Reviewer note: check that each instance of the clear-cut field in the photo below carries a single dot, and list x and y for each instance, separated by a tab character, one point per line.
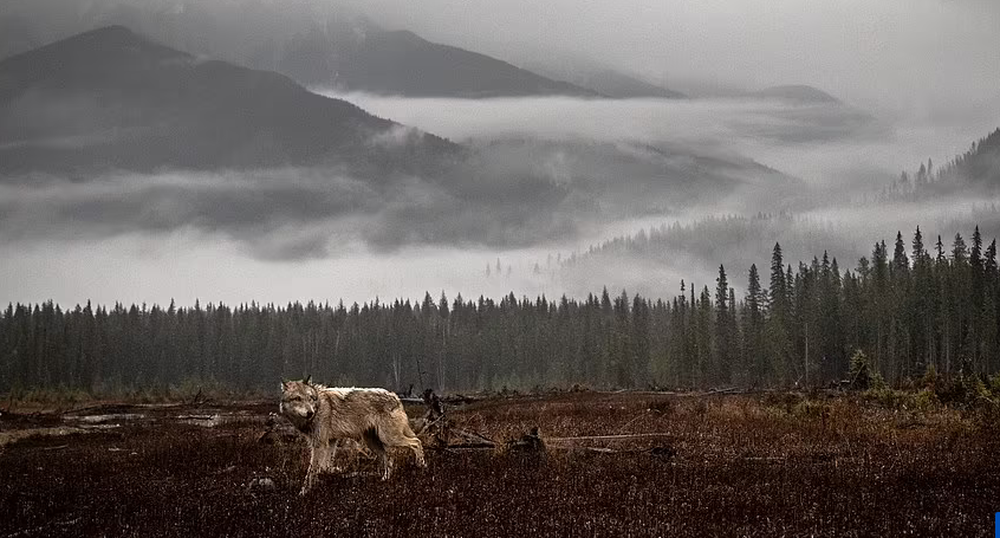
743	465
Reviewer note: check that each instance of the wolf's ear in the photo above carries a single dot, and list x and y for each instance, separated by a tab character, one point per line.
284	384
308	379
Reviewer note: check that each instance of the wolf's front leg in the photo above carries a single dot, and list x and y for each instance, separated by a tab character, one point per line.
331	464
319	457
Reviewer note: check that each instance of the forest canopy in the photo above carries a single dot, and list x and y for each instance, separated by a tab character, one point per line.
908	307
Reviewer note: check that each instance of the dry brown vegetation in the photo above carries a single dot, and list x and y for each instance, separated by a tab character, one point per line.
720	465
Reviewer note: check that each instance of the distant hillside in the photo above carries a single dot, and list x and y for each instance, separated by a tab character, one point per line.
590	74
110	98
977	170
805	114
314	43
17	36
978	166
797	93
635	179
403	63
621	86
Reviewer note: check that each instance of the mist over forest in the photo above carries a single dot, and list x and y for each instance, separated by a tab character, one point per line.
174	151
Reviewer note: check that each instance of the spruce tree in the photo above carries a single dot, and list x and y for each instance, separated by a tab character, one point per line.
723	334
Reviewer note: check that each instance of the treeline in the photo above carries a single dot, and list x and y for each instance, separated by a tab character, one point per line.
742	238
909	309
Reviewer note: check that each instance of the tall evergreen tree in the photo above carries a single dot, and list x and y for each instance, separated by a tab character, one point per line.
723	330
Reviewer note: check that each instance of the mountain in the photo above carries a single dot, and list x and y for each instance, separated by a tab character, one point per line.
320	44
403	63
980	166
621	86
977	171
797	93
112	99
628	179
804	114
652	261
16	35
588	73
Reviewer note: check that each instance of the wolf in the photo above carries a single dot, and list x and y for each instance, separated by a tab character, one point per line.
323	414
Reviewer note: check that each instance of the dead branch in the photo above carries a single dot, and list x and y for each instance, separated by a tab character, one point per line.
475	437
619	437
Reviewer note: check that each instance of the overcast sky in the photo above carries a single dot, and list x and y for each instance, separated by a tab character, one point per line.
909	54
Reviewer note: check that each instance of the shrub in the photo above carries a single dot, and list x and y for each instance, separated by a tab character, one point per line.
862	373
926	400
995	385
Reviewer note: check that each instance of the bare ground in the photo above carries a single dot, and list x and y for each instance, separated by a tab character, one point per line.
758	465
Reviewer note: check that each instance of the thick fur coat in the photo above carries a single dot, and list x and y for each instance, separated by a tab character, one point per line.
373	416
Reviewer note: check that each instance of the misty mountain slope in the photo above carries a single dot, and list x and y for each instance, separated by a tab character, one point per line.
630	178
651	261
315	44
654	261
796	92
403	63
602	79
111	99
979	167
973	173
804	114
16	35
619	85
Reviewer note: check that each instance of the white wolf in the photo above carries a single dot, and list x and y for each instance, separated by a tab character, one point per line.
374	416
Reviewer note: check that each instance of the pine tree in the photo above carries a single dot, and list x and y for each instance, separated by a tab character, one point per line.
900	264
723	335
753	332
778	292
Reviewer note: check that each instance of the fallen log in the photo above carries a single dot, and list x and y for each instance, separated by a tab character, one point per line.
474	436
618	437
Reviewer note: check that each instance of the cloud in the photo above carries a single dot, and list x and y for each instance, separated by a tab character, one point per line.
285	214
272	212
821	144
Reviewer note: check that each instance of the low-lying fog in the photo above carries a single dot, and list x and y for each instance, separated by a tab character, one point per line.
279	236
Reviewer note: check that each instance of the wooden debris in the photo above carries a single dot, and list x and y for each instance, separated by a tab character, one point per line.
433	403
530	442
618	437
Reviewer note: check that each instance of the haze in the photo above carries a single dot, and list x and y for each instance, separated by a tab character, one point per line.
917	79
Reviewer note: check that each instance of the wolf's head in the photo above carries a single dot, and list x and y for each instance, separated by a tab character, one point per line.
299	402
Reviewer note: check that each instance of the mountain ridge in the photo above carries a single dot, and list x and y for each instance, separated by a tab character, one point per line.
156	106
431	69
801	93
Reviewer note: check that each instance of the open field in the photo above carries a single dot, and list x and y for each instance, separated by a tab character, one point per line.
719	465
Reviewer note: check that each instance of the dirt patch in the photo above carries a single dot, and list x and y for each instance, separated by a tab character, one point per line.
712	466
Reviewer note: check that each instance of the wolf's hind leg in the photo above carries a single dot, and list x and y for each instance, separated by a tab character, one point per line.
378	447
404	437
